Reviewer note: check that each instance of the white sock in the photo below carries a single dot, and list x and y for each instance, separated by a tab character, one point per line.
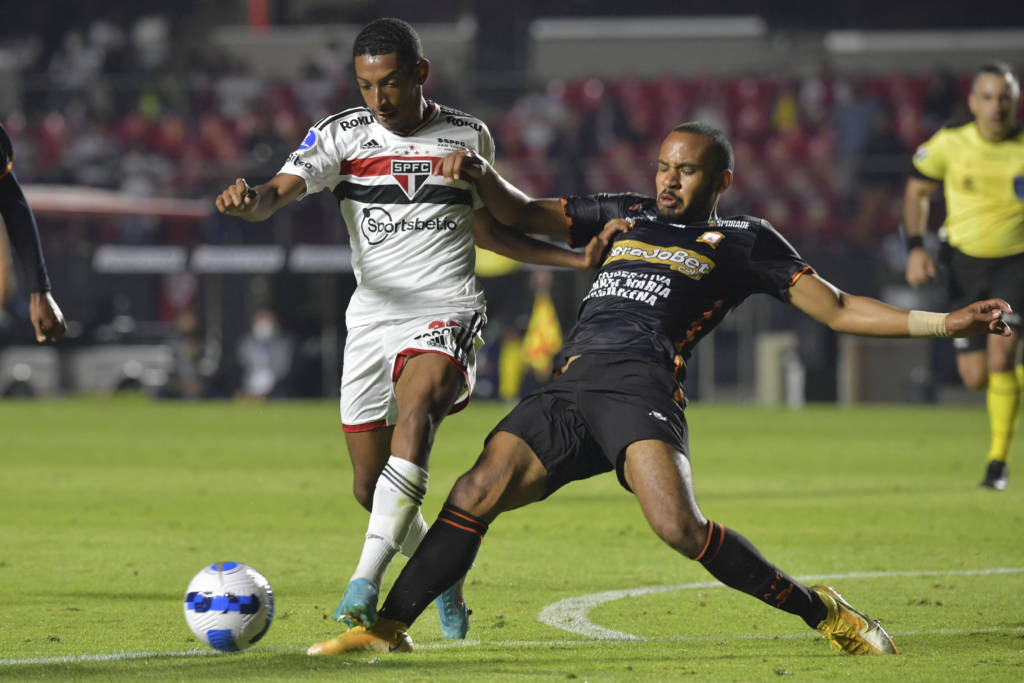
396	505
417	530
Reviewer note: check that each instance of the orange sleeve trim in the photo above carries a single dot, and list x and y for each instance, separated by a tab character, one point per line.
565	211
799	274
10	165
568	220
460	526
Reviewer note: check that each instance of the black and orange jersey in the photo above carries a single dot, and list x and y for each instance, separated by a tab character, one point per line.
21	224
664	286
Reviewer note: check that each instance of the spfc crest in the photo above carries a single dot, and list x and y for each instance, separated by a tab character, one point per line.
411	174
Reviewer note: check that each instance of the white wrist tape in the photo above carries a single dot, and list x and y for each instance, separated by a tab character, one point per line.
925	324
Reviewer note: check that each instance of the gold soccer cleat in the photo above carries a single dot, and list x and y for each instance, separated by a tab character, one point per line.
849	630
384	636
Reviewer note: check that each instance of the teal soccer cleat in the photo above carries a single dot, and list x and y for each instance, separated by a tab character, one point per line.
453	612
358	606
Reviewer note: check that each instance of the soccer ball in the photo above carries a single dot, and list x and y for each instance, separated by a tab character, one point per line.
229	606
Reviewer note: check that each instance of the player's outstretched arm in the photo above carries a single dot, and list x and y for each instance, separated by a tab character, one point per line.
869	317
259	203
920	268
491	235
506	202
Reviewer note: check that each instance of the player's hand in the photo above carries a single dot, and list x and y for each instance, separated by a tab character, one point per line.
239	199
979	318
462	164
920	268
46	317
597	247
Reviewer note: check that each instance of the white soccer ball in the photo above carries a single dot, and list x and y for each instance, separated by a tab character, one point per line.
229	606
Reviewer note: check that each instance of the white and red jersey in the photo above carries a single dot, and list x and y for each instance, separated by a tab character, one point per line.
411	233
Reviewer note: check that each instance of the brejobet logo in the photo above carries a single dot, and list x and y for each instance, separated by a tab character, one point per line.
411	174
309	141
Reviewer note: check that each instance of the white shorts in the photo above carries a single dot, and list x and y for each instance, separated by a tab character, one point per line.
376	353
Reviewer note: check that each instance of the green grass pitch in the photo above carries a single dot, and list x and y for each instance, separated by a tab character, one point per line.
109	506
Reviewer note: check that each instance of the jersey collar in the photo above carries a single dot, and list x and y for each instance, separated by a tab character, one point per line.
429	114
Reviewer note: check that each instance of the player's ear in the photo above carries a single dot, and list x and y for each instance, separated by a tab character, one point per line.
724	181
422	71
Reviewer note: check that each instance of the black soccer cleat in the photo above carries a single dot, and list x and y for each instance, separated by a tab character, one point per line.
997	476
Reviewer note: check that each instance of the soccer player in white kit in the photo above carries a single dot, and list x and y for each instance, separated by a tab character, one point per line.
415	318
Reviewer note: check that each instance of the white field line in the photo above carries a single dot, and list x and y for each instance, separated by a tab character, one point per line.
502	644
571	615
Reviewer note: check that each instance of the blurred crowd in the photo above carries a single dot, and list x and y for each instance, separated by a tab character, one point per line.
822	156
819	154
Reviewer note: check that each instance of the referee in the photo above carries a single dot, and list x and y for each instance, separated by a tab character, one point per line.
981	166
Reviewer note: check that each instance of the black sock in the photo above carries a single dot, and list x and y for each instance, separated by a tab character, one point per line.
734	561
443	557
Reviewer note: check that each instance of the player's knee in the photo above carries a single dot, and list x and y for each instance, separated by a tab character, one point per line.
685	535
363	491
471	494
975	380
973	369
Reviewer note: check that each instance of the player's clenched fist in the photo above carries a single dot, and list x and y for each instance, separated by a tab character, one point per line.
238	199
462	164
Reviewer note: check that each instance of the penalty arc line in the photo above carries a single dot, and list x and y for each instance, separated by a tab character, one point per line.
571	614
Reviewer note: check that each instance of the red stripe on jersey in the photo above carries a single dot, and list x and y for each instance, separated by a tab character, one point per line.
379	165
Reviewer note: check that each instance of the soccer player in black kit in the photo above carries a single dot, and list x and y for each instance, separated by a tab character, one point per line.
46	316
673	272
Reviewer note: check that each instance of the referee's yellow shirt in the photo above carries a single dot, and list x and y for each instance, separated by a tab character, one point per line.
984	188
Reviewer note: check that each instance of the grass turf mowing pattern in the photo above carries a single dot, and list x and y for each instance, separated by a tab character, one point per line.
109	506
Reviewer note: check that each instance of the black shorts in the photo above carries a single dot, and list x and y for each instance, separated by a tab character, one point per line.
972	279
580	423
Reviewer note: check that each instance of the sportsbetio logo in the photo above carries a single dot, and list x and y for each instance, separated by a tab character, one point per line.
377	224
296	160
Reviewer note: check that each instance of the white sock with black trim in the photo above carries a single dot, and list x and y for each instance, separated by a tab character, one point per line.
417	530
396	506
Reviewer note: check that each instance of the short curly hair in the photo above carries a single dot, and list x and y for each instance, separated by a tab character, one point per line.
386	35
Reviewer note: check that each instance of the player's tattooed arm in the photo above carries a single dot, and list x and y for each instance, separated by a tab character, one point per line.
260	202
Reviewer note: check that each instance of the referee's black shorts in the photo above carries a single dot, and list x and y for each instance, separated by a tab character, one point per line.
580	423
972	279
